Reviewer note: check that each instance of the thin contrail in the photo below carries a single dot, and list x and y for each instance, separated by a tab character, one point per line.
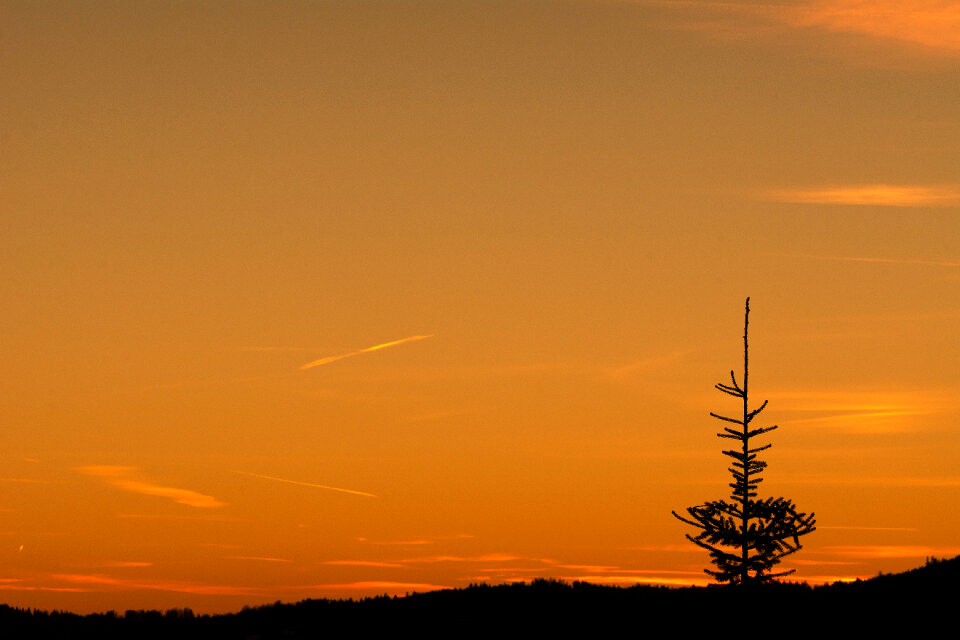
305	484
329	359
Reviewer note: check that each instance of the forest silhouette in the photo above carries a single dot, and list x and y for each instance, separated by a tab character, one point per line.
914	601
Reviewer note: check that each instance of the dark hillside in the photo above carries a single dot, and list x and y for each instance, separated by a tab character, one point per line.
912	601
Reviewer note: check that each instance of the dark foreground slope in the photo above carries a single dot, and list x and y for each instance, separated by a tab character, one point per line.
910	602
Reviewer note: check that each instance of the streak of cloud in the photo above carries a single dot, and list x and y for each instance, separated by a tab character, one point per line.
329	359
861	411
119	476
692	580
379	586
257	558
281	349
882	195
645	365
592	568
181	496
417	541
306	484
919	482
510	570
926	263
24	587
400	543
104	582
932	24
363	563
177	516
861	400
861	422
669	548
489	557
825	579
892	551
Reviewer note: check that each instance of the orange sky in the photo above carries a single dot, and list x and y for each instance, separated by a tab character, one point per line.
330	298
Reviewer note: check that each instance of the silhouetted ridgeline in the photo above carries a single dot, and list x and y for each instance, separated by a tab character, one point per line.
923	598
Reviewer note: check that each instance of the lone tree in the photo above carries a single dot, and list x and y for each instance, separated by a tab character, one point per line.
756	533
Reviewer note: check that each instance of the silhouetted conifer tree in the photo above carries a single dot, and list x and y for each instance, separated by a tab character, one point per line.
757	534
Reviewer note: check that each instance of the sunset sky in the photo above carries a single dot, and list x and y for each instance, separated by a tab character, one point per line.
332	299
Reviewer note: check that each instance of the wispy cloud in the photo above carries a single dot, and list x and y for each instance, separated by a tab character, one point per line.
916	481
932	24
591	568
363	563
95	582
884	195
933	482
120	477
379	586
329	359
924	263
281	349
257	558
891	551
400	543
27	587
858	400
306	484
488	557
649	364
860	411
102	582
693	578
669	548
824	579
177	516
888	421
417	541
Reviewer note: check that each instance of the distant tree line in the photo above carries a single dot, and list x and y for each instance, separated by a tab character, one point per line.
914	601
